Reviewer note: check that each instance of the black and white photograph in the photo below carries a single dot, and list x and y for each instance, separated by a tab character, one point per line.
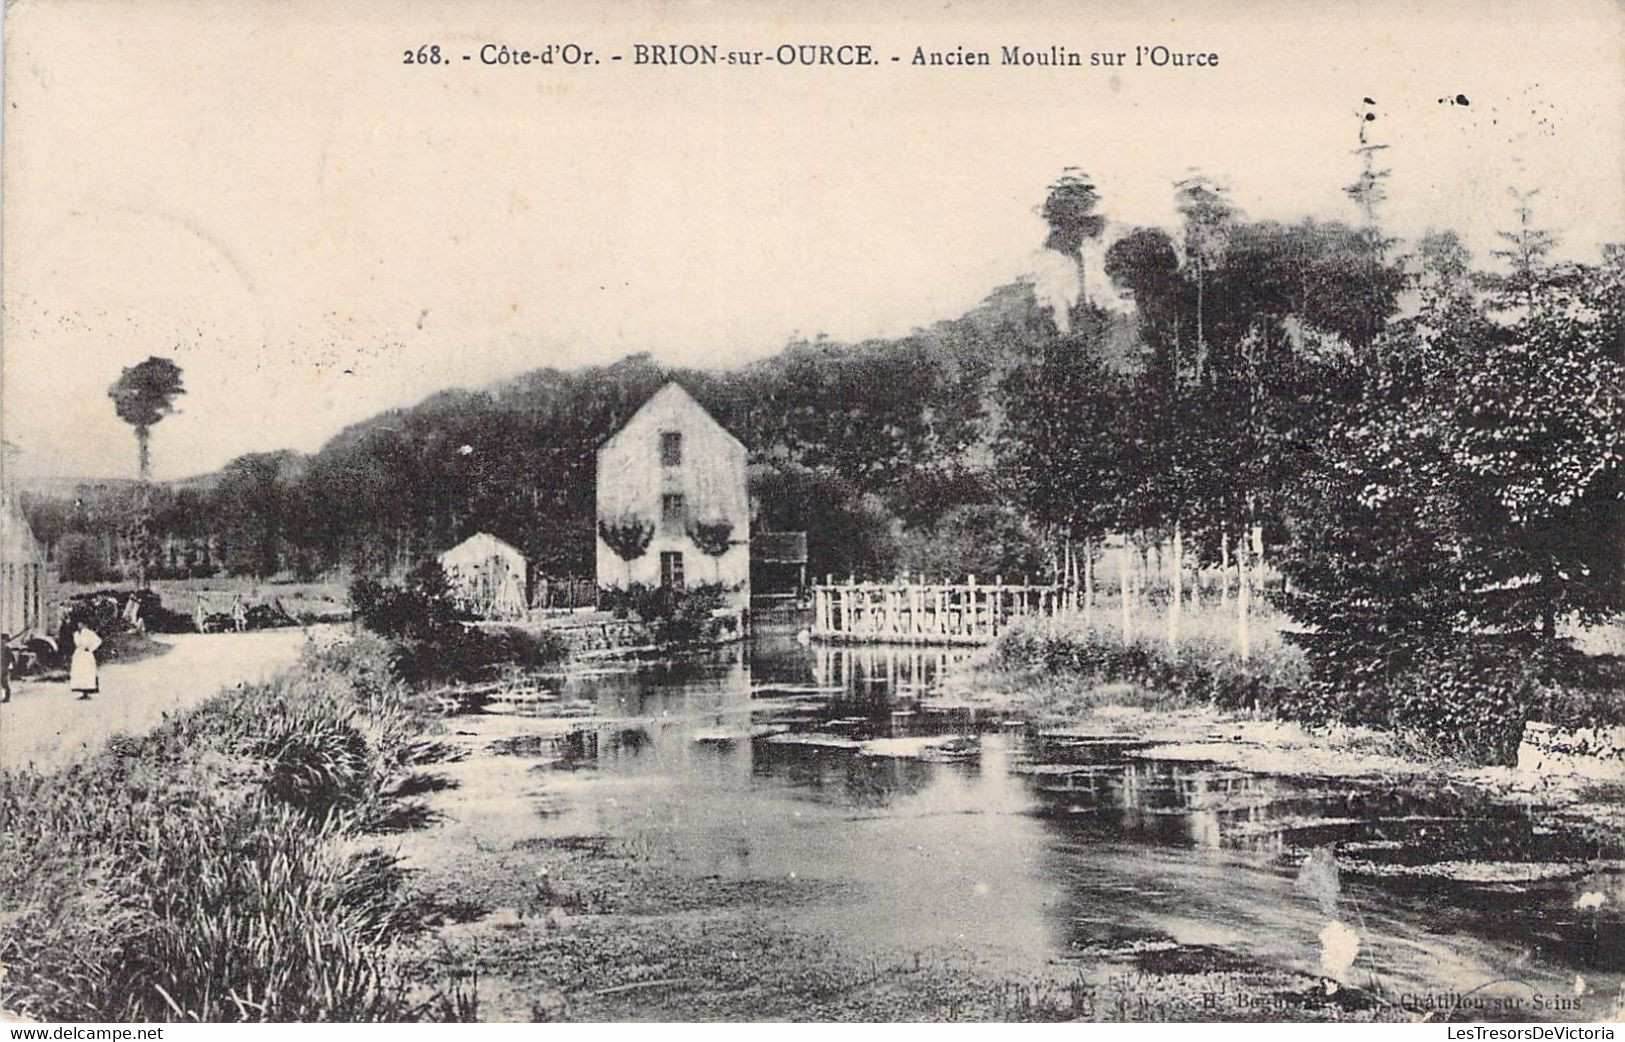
810	511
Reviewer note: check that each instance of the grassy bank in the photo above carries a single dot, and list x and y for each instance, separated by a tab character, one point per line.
220	866
1459	698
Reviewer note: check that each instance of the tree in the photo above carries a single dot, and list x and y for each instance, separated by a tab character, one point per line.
713	538
1062	451
1538	438
849	532
1367	191
1475	486
143	395
1069	211
1526	254
629	536
1205	206
251	506
984	539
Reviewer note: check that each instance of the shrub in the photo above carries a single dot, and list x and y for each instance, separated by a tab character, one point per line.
422	608
675	614
1470	695
466	652
430	641
1199	671
1464	696
80	559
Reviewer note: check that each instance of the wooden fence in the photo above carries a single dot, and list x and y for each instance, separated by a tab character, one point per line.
920	613
563	594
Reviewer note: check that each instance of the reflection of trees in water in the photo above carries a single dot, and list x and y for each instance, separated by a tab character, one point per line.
839	776
1169	803
602	746
1119	833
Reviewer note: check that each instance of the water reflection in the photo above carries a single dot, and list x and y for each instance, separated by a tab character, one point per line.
937	824
894	674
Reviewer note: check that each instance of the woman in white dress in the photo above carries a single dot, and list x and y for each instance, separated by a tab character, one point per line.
82	672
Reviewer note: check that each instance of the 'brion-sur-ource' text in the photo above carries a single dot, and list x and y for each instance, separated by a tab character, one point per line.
856	55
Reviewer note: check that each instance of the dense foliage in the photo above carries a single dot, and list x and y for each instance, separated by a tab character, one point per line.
429	639
673	614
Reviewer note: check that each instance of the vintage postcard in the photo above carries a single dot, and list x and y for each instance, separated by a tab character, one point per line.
813	511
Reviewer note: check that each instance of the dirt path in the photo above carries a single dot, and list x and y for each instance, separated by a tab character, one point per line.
47	725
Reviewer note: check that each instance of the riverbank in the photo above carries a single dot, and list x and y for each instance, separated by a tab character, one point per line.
225	865
1457	700
773	831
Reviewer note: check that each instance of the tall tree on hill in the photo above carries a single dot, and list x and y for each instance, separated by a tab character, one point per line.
1069	211
143	395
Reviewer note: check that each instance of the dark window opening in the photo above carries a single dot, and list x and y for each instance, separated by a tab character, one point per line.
671	569
671	448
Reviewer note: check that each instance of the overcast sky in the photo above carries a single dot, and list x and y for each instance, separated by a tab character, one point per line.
315	231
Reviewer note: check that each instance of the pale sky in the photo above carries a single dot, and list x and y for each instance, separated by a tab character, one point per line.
316	232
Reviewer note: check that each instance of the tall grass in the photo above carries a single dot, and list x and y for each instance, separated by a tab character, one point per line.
1459	696
208	870
1204	668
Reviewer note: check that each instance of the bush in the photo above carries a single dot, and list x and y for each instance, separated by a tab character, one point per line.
1469	695
1463	696
432	642
422	608
468	652
80	559
104	612
675	614
1199	671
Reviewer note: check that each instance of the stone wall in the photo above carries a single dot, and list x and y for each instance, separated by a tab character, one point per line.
601	633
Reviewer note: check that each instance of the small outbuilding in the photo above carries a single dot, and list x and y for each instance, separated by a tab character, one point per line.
489	578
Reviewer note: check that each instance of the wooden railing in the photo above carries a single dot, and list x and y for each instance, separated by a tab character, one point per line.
921	613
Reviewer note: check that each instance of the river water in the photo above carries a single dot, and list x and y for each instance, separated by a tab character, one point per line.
937	826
